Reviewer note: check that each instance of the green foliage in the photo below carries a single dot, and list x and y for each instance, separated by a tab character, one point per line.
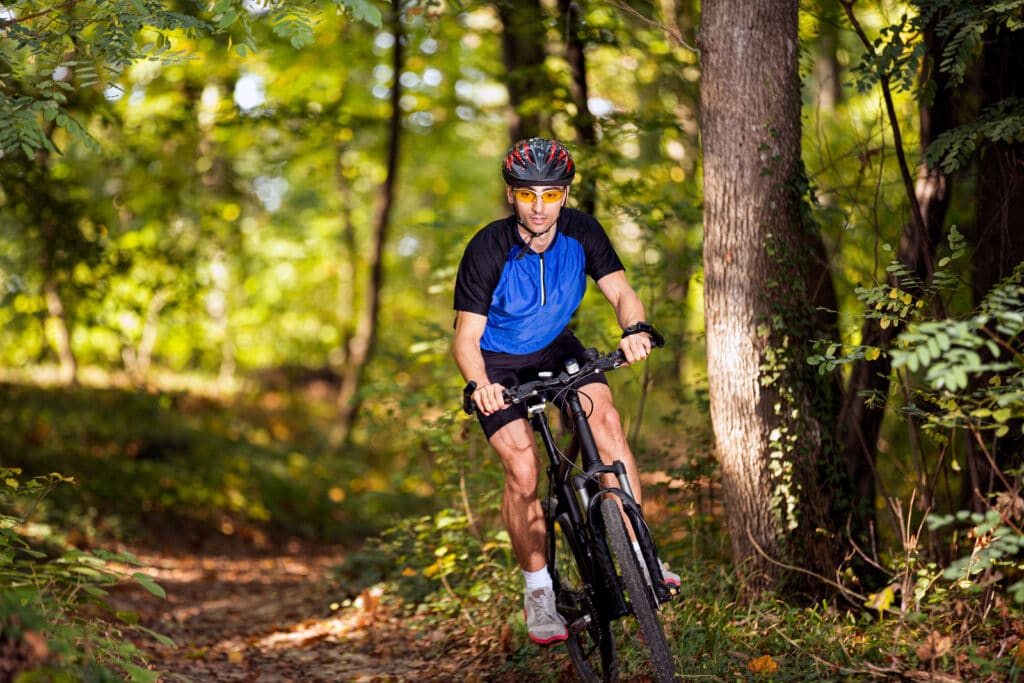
996	549
55	621
956	356
50	51
999	122
896	58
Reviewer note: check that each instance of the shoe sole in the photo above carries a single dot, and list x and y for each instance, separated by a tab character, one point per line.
550	641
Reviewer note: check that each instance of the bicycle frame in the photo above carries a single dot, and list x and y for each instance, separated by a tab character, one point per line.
578	494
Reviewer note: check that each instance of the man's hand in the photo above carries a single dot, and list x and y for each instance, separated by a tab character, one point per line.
635	347
488	398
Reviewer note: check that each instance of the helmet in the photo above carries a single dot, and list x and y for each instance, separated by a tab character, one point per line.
538	161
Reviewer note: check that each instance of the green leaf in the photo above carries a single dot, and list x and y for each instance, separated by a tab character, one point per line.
140	675
364	11
159	637
147	582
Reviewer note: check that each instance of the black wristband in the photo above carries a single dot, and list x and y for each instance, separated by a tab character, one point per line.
644	326
636	328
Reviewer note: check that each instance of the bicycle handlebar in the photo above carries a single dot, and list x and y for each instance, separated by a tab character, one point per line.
594	362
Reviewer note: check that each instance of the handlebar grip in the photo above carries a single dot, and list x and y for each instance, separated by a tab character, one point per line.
468	404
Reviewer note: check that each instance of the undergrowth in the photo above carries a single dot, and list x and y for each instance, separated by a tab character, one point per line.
56	625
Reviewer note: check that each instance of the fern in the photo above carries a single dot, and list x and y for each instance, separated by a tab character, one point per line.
951	353
1001	122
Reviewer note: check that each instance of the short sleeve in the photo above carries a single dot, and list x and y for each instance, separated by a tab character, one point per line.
479	272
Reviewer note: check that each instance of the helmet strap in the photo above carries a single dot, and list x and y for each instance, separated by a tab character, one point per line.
533	235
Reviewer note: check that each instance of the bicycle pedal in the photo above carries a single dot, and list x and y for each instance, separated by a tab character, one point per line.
581	624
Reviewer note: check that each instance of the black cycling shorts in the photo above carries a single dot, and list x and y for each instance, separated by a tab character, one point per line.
510	369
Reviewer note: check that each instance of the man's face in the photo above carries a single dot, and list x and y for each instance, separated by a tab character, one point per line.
538	207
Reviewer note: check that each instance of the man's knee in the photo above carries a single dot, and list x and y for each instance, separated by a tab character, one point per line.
604	416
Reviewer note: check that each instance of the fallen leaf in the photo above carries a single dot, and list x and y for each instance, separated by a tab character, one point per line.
763	665
934	646
37	643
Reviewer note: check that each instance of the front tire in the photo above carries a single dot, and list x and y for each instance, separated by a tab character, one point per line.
642	601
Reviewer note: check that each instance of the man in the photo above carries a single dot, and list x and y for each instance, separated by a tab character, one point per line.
519	282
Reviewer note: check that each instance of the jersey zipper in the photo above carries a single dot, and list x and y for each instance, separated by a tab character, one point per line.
543	287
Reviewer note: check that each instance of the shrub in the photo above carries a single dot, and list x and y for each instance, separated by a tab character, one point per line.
56	624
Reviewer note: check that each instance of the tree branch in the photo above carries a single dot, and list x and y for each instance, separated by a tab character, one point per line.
651	22
916	216
4	25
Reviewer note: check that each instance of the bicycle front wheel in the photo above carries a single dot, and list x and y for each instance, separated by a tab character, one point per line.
641	599
590	644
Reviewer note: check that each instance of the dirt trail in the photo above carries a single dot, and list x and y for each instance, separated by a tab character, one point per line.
255	616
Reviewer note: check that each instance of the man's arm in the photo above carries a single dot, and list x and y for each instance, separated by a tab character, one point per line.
469	328
629	310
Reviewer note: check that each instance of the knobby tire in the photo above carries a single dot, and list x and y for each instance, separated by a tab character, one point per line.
644	604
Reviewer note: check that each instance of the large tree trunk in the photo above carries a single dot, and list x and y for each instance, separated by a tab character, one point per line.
771	427
998	237
523	49
361	345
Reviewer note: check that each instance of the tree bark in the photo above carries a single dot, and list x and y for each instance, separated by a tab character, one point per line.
997	236
586	135
523	49
361	345
771	425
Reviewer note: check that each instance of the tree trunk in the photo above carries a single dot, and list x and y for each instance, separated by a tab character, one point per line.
772	419
61	332
586	135
997	237
361	345
523	49
48	218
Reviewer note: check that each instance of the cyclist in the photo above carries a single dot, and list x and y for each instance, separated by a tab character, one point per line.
519	283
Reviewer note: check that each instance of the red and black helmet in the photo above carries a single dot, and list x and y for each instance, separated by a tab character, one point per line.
538	161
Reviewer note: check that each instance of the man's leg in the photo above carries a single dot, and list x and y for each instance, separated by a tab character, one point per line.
524	520
520	508
612	445
608	434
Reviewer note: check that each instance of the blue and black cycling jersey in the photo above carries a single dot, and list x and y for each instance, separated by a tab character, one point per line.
529	299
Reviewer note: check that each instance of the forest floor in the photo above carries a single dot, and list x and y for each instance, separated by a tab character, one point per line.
242	614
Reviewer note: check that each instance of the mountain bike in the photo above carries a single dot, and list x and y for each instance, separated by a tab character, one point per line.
592	518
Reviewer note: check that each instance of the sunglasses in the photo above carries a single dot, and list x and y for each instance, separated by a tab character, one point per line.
547	196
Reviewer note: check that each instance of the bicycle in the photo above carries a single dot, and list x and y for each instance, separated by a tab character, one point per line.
598	577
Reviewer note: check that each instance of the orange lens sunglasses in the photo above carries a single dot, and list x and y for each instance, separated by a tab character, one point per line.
547	196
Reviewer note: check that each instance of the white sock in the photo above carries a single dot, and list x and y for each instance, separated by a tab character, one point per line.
538	579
